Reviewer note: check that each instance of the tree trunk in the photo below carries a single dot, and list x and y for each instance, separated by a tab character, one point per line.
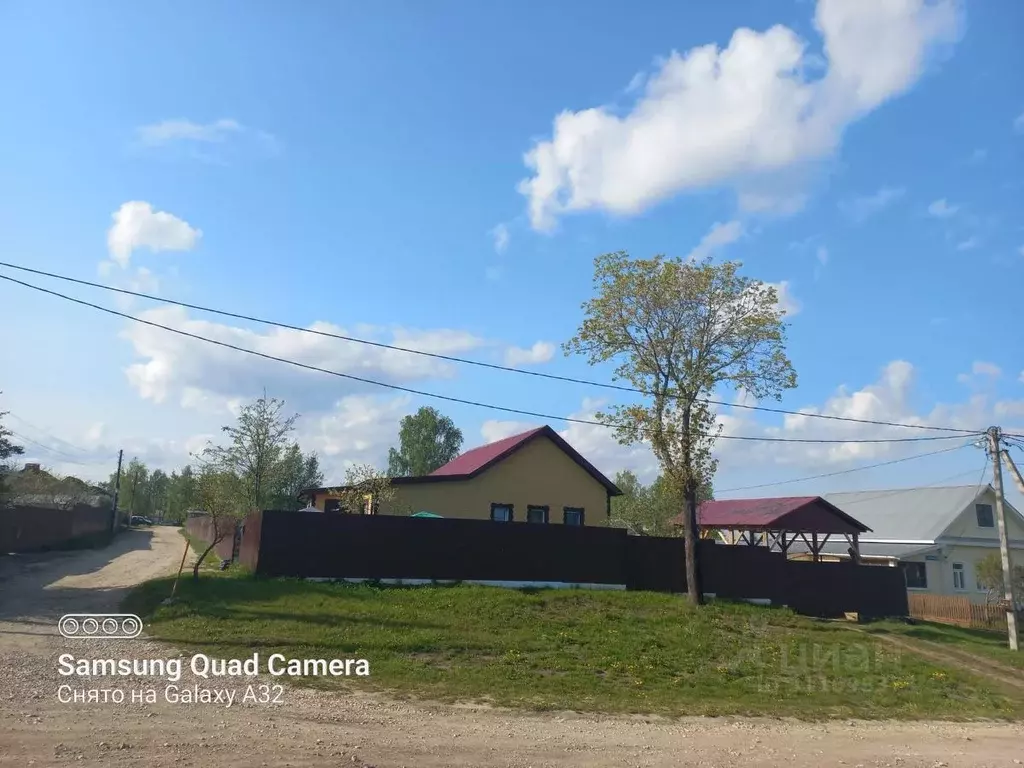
693	585
199	562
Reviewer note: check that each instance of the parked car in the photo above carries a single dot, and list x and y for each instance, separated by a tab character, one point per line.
139	520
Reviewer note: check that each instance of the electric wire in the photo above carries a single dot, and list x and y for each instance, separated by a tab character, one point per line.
455	359
434	395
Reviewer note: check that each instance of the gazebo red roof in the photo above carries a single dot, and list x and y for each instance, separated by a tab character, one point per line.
799	514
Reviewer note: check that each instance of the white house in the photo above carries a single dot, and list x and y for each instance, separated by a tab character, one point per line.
937	535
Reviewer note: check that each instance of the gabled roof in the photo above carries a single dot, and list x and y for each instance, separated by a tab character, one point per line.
908	514
477	460
790	513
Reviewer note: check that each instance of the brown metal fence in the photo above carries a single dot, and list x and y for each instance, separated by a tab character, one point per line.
200	528
31	529
952	609
314	545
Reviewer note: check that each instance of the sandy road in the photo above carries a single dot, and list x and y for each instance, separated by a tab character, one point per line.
314	729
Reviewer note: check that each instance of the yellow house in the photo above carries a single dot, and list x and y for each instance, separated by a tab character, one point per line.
534	477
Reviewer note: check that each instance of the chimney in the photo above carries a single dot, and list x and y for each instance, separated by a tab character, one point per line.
32	467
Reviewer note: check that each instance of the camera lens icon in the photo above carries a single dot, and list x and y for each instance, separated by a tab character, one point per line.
111	626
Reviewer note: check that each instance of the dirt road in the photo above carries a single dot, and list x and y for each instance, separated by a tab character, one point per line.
315	729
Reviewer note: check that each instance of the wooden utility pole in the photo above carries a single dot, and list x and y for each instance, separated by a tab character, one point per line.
117	487
1004	544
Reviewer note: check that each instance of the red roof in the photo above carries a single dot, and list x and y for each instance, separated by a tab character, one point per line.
791	513
478	458
475	461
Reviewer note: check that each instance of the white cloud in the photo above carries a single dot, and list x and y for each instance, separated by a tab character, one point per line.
493	430
861	208
711	116
168	131
941	209
137	225
785	300
540	352
358	429
982	368
969	244
822	255
501	237
176	366
720	235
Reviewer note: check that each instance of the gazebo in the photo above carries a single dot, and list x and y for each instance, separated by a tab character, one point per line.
778	523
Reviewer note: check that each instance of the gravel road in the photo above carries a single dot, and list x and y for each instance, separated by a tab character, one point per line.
310	728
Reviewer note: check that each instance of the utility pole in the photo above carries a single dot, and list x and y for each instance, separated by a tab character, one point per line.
1004	544
117	487
131	506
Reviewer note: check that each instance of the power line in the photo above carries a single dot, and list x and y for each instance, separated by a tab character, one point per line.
69	459
847	471
462	360
434	395
29	424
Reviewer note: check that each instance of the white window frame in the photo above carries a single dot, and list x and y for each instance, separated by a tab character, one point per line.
961	572
505	507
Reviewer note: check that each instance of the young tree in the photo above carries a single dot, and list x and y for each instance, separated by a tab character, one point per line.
365	488
427	440
157	493
220	494
253	454
989	572
677	331
8	450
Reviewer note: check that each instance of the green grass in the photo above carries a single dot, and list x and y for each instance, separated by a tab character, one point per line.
556	649
983	643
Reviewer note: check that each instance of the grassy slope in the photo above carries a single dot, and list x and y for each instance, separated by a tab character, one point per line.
992	645
550	649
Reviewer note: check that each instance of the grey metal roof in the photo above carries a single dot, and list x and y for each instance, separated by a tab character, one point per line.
906	514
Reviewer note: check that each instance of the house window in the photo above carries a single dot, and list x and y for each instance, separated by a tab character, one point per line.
572	516
536	514
332	506
959	577
984	513
501	513
916	575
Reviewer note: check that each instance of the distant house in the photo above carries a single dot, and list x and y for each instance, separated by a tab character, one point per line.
33	486
534	477
936	535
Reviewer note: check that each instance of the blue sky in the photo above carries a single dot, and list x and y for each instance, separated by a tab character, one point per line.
363	165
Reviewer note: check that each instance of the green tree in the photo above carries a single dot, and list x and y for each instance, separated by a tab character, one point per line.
134	482
157	493
427	440
989	573
649	510
296	472
8	450
181	494
222	496
253	453
678	331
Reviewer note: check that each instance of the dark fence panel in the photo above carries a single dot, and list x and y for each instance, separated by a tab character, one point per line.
655	564
831	589
28	529
310	544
